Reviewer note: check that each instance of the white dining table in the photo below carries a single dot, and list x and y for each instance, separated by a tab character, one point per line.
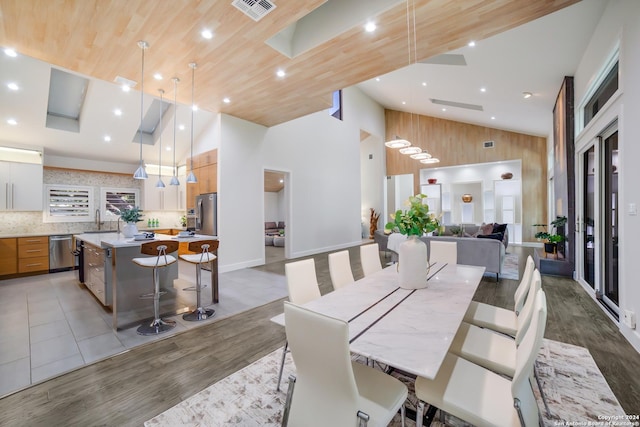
407	329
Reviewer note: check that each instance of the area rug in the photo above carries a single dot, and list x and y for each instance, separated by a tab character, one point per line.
574	388
510	267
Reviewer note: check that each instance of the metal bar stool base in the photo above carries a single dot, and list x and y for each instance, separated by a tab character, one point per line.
156	327
198	314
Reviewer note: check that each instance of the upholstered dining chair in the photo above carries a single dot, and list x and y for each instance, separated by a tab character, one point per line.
482	397
329	389
370	259
302	284
488	349
443	252
500	319
340	269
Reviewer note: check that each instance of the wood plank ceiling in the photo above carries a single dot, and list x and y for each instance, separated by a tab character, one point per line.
99	38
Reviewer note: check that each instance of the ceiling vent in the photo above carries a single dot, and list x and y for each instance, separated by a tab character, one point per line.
457	104
254	9
445	59
488	144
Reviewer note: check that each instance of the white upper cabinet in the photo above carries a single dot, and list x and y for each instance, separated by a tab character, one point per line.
156	199
20	186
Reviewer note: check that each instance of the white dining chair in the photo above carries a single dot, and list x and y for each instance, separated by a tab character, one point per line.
443	252
482	397
329	389
500	319
302	284
370	259
488	349
340	269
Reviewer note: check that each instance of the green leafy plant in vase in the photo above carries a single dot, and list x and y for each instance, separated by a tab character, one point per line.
413	264
130	217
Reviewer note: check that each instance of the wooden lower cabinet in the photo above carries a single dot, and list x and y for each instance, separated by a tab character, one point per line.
33	254
8	256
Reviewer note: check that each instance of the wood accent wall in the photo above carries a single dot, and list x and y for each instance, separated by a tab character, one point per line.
456	143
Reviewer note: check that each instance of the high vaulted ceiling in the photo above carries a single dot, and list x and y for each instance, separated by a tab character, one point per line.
98	38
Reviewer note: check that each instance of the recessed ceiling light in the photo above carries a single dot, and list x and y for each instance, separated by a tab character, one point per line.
493	117
126	88
483	89
195	107
157	76
370	27
444	109
10	52
12	122
404	102
424	83
526	95
207	34
377	79
107	138
13	86
281	73
117	112
281	181
168	148
181	127
471	43
226	100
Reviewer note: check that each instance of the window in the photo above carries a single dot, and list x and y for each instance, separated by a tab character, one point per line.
115	200
605	90
336	108
68	203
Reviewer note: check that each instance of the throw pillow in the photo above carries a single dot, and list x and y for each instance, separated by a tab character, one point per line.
499	228
496	236
485	229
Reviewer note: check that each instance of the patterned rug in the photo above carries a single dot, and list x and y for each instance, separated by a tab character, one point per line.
575	390
510	267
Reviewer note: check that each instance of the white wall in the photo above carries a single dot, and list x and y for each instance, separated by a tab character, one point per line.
372	179
274	206
321	157
619	24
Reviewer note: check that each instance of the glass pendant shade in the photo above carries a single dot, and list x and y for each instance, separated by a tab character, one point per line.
174	178
140	173
191	179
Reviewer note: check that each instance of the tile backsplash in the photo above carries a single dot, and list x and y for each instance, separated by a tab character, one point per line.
12	222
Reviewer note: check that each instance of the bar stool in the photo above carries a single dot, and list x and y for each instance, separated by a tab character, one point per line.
202	257
160	259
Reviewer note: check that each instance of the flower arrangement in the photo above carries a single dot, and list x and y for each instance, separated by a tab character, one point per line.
415	221
131	215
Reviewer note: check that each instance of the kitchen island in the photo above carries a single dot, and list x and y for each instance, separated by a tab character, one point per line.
109	273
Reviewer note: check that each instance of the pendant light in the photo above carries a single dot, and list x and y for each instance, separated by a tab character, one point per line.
160	184
191	179
140	173
174	178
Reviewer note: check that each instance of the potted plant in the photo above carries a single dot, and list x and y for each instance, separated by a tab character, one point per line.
130	216
413	265
551	239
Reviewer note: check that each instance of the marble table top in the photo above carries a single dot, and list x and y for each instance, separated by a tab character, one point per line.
408	329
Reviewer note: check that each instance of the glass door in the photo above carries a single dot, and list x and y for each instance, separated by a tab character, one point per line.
589	215
610	215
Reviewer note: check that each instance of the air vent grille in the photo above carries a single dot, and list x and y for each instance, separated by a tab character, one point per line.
254	9
488	144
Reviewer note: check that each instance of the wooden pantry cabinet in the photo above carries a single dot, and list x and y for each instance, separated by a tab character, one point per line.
33	254
205	168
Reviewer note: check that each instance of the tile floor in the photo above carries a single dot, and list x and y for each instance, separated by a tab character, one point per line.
50	324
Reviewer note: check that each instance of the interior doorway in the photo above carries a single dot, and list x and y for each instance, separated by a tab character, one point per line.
276	216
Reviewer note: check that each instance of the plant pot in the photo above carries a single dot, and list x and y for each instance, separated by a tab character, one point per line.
413	265
130	229
551	248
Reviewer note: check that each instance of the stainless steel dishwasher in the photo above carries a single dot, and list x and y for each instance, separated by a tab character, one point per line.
61	256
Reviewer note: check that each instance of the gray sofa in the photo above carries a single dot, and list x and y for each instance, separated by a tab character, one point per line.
483	252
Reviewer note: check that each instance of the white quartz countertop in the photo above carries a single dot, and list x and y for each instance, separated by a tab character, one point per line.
117	240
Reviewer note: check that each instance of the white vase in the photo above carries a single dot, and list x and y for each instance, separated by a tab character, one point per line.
413	265
130	229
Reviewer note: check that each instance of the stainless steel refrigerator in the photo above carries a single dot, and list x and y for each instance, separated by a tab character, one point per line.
207	214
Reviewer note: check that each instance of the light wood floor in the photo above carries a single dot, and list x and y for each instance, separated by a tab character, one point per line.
128	389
